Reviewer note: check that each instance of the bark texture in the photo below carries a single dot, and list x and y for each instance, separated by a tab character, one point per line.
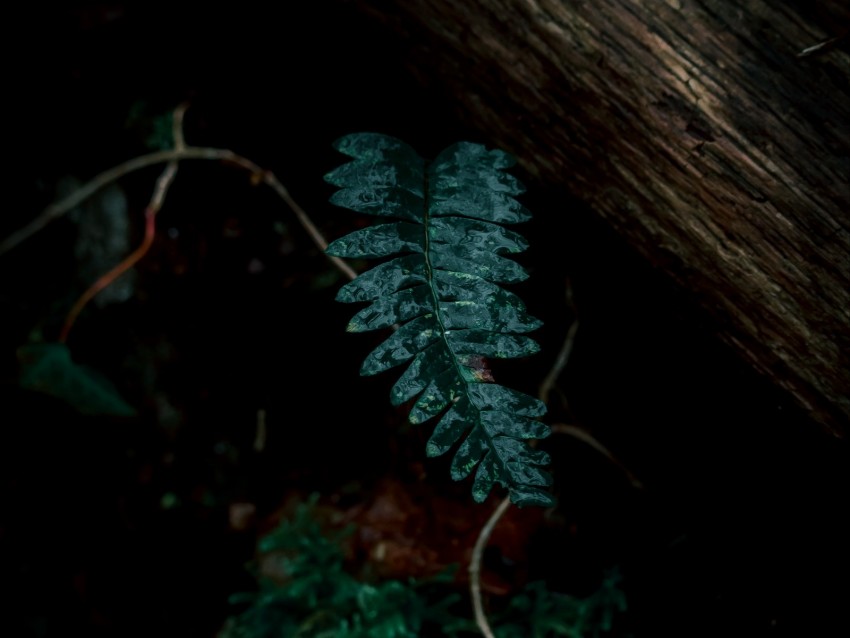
695	129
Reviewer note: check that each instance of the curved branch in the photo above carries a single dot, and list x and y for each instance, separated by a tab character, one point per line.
162	185
551	378
475	567
578	432
58	209
160	191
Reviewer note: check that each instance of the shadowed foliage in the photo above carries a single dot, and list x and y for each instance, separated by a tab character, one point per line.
441	289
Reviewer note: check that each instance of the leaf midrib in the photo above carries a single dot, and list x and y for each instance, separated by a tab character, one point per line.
431	279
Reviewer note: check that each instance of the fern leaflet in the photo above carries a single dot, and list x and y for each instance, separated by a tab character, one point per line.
441	288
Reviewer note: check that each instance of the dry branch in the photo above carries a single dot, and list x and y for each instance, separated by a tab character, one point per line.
61	207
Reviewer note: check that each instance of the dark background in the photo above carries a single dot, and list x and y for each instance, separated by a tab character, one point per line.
119	527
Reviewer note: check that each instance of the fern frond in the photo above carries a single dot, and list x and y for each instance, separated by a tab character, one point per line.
441	288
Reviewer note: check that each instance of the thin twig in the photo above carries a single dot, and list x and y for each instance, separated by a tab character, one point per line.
161	189
578	432
566	351
163	183
480	544
58	209
177	126
575	431
487	530
561	360
822	47
306	222
475	567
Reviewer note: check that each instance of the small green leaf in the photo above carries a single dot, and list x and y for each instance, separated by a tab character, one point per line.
491	344
48	368
403	305
524	495
428	364
479	203
384	279
366	175
454	423
377	147
402	345
461	315
486	476
474	446
465	157
383	202
499	423
471	232
473	261
379	241
486	395
440	393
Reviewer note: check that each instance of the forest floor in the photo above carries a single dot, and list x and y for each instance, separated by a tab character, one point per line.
722	511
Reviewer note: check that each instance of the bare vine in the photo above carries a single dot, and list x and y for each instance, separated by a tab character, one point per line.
181	152
544	391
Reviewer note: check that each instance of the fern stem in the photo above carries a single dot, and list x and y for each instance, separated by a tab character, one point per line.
484	535
475	567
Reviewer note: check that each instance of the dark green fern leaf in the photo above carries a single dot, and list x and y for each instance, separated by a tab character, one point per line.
441	288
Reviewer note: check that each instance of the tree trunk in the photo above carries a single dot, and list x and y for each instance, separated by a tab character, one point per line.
695	129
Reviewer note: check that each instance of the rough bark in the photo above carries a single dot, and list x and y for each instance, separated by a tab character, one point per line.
695	130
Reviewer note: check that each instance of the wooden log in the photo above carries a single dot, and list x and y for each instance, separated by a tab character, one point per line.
701	130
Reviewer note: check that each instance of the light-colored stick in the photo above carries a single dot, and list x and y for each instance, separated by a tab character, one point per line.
58	209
